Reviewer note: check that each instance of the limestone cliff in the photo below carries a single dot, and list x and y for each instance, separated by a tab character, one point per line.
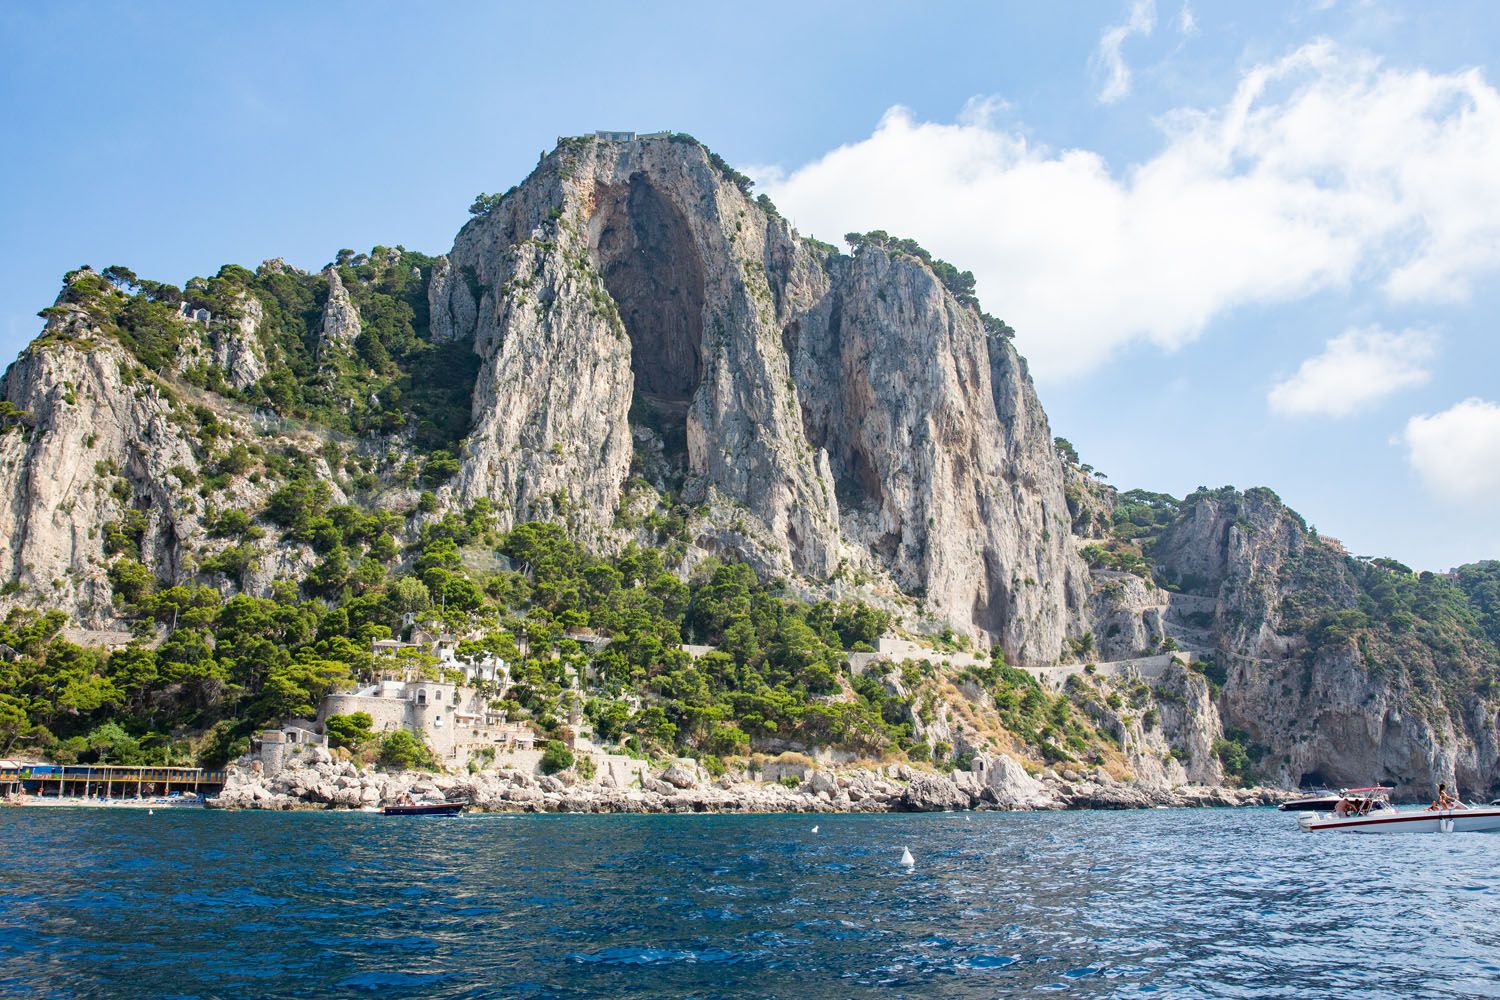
629	344
103	444
1338	670
106	462
859	413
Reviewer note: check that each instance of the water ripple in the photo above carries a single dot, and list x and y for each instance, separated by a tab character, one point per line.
1204	903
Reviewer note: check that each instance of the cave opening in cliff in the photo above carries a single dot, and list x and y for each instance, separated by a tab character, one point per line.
651	268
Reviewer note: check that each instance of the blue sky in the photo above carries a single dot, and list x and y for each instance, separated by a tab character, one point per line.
1242	244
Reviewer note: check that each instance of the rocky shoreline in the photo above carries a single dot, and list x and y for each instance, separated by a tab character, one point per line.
992	783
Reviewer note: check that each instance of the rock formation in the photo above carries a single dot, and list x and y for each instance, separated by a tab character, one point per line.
340	325
1328	687
859	412
648	338
105	444
316	780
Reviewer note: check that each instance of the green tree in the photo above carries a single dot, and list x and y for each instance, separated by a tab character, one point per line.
350	731
556	757
402	749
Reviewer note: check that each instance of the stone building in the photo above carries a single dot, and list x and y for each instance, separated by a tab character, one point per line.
455	720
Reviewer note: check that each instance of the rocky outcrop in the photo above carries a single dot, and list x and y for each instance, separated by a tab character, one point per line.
316	780
102	471
340	324
853	407
235	341
1321	702
844	422
103	443
1129	615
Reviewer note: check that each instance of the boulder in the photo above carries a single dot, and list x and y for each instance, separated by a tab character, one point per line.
1006	784
928	792
681	775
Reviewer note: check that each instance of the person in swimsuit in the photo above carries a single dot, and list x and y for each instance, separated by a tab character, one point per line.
1444	800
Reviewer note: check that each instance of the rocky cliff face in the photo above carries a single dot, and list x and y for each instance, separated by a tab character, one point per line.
845	422
648	339
857	412
107	461
104	444
1325	669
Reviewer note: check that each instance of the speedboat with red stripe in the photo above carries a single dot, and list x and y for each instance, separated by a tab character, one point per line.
1369	810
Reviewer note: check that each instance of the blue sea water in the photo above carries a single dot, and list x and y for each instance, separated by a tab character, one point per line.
1180	903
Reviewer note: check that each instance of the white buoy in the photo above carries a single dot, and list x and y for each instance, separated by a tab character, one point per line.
150	812
907	859
815	829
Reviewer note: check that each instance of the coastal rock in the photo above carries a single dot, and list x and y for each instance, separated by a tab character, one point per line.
997	782
1347	705
681	775
1007	785
235	343
933	793
105	443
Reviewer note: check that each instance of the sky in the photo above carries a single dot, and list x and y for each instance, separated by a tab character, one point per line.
1241	244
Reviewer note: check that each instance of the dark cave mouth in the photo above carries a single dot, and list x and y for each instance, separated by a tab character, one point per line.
645	252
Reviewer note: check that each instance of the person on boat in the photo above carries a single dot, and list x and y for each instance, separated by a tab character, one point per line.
1444	800
1342	807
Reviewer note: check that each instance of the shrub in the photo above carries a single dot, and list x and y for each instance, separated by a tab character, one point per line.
440	468
404	750
349	731
556	757
130	579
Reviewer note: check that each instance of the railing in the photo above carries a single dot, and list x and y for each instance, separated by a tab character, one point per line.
113	772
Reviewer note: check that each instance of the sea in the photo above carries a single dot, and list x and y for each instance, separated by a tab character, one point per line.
1177	903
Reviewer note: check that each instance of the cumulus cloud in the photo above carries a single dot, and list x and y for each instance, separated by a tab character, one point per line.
1324	168
1356	369
1456	453
1111	60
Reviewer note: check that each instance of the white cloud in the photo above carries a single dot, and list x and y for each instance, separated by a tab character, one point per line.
1456	453
1324	169
1187	21
1357	368
1141	21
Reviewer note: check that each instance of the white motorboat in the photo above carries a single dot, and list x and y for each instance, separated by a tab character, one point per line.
1369	810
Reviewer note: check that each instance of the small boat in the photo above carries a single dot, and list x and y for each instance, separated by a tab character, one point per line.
1318	800
425	809
1369	810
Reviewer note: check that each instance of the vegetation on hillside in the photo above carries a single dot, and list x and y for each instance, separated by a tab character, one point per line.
207	671
395	380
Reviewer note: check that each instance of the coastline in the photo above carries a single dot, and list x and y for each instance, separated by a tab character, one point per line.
993	783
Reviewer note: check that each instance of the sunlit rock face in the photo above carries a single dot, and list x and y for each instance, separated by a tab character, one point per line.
855	418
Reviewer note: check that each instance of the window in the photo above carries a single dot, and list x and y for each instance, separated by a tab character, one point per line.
437	695
437	722
421	697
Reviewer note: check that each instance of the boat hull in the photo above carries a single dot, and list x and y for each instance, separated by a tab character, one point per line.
1481	820
437	809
